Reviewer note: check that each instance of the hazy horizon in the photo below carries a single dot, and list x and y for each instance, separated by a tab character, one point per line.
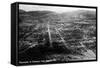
51	8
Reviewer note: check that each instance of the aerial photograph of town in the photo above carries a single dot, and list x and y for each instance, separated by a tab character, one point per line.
56	34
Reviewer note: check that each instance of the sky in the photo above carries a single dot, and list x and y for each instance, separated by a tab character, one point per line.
50	8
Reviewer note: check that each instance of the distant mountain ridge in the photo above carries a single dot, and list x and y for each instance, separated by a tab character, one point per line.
53	16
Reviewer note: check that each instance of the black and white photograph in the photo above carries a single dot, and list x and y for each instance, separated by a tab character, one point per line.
53	34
